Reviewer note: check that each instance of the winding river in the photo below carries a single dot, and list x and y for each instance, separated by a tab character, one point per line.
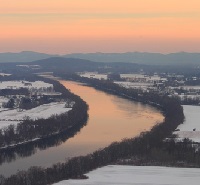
111	118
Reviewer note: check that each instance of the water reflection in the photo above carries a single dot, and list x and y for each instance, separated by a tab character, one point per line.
113	118
11	154
140	110
110	119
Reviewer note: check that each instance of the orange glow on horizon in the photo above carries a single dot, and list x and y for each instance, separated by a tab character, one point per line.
128	21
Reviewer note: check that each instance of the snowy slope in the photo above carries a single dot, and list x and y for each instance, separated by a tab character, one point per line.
42	111
94	75
24	84
3	100
192	121
135	85
139	175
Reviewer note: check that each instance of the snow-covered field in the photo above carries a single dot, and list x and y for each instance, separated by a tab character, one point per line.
134	85
141	76
3	100
42	111
191	126
139	175
131	75
94	75
24	84
193	97
190	87
5	74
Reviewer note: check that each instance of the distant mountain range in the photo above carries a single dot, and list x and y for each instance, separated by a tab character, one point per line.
181	58
61	65
24	56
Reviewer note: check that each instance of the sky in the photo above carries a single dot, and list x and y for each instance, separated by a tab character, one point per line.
84	26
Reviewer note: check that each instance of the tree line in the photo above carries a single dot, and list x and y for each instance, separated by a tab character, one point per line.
27	149
42	128
150	147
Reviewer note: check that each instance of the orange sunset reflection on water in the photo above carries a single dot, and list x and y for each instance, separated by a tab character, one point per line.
111	118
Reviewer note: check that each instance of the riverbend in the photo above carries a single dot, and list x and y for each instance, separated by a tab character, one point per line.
111	118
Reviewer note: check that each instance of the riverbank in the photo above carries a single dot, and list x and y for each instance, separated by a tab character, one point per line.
47	123
149	144
134	175
119	119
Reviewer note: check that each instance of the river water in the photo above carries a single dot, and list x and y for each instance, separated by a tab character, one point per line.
111	118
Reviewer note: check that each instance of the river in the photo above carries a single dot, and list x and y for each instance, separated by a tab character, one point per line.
111	118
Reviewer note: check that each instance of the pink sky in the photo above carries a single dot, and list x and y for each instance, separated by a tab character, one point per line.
65	26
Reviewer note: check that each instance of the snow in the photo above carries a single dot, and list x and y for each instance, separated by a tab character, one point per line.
50	76
94	75
43	111
193	97
30	66
3	100
4	124
191	122
24	84
135	85
143	77
5	74
191	87
188	88
131	75
13	116
52	93
138	175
